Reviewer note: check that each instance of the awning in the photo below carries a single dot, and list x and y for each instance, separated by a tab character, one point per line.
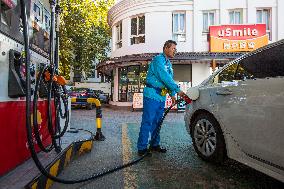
107	66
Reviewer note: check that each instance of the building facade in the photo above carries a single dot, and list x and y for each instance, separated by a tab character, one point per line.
140	28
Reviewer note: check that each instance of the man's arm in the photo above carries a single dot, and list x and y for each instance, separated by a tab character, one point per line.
163	75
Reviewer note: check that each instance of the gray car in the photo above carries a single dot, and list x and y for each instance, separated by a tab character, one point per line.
238	112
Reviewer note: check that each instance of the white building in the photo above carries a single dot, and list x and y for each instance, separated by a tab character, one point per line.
140	28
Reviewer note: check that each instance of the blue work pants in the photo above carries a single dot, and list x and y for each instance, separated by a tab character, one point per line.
152	113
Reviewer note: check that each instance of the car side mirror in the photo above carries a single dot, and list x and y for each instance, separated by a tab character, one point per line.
193	93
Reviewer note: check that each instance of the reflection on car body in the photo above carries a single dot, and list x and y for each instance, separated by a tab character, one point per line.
240	112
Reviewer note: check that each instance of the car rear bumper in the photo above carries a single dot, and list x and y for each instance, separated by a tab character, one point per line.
79	102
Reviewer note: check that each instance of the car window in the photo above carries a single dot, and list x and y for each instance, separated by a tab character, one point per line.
227	74
243	73
268	63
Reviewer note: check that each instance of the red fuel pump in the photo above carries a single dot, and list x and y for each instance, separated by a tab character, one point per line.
13	138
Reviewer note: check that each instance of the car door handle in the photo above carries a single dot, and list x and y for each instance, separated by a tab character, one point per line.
224	92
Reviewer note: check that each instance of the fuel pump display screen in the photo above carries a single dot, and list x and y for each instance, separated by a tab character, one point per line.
9	3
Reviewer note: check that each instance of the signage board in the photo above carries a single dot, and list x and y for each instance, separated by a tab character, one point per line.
237	38
137	100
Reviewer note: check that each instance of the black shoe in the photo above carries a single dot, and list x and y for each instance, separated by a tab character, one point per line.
142	152
158	149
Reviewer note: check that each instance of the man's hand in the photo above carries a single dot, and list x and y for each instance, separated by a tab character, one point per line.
181	94
173	99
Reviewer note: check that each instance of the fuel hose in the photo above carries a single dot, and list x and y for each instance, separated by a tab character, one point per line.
28	118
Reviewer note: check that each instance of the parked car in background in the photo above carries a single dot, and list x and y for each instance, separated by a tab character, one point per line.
239	112
101	96
80	96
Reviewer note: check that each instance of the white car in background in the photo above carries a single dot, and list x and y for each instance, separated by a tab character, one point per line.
238	112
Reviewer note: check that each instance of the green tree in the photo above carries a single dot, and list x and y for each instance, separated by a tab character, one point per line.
84	34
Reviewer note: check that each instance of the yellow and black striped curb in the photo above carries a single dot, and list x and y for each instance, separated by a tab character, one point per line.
59	163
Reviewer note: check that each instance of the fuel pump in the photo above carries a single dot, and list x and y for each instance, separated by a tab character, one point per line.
34	75
19	63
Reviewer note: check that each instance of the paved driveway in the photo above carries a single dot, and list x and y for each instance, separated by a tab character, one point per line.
180	167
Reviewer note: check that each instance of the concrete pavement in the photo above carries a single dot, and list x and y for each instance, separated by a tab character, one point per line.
180	167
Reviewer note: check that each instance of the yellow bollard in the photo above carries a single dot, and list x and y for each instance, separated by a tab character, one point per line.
99	135
99	123
73	99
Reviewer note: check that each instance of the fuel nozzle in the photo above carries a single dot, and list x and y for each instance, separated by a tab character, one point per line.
187	99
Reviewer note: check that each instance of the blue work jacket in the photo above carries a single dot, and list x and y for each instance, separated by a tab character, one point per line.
160	75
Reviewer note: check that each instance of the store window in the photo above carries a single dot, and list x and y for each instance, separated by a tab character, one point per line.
132	79
179	26
118	30
142	77
137	30
235	17
264	16
208	20
122	85
133	82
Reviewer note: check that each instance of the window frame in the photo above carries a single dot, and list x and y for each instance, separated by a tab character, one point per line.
47	25
118	32
140	77
139	36
179	32
208	12
269	30
234	11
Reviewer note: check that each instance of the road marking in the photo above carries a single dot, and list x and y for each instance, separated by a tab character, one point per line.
129	175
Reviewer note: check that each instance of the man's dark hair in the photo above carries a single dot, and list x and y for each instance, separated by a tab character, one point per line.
169	43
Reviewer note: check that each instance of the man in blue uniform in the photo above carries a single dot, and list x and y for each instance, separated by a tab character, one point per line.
159	81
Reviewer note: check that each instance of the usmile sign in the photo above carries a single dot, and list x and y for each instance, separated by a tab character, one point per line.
237	38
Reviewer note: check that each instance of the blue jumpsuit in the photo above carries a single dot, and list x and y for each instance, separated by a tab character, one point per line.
159	75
